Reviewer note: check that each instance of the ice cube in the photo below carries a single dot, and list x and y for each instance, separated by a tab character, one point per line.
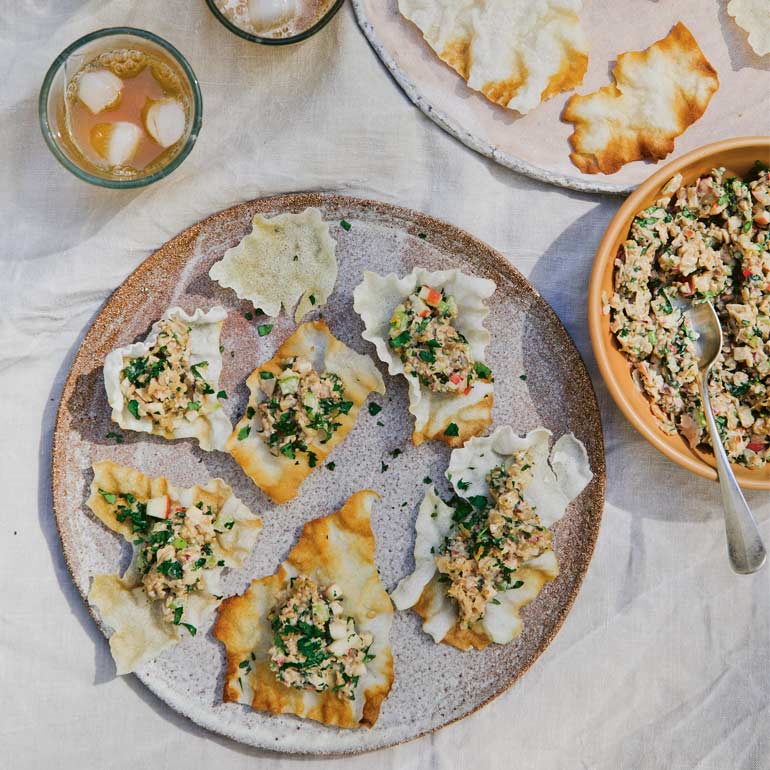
269	14
165	121
99	89
116	142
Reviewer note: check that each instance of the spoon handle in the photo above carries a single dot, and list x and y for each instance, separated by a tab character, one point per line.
744	544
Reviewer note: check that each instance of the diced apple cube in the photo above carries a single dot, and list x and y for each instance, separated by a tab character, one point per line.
165	121
159	507
269	14
99	89
117	142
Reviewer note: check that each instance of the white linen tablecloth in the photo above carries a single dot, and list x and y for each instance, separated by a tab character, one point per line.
664	661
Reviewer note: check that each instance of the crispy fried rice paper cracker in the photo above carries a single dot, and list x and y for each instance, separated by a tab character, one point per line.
139	632
336	549
516	52
375	299
559	476
281	476
284	261
656	95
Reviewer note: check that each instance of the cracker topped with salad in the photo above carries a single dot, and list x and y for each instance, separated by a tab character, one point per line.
429	327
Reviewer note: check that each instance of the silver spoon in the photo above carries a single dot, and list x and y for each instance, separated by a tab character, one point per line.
744	544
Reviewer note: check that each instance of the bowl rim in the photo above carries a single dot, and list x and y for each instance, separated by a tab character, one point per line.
298	38
87	176
603	262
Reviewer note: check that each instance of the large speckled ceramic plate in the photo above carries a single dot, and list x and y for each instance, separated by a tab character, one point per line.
434	685
536	144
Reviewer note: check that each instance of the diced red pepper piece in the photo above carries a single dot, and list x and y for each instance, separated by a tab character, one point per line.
430	296
755	446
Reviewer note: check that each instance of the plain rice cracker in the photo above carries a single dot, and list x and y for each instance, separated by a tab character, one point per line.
284	261
516	52
657	94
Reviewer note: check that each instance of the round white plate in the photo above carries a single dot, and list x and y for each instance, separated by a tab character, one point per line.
537	144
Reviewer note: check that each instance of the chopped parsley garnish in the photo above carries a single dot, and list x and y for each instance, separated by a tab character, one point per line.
345	225
117	436
193	405
248	316
264	329
266	376
222	394
133	407
110	497
244	432
427	480
483	371
523	377
331	465
452	430
374	408
312	299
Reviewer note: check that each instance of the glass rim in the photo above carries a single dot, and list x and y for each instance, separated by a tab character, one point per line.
298	38
87	176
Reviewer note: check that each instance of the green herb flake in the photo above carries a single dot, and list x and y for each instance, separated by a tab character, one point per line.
427	480
523	377
192	629
244	432
133	407
383	467
452	430
312	299
110	497
374	408
518	584
482	370
345	225
222	395
423	236
178	615
117	436
264	329
194	405
266	376
248	316
331	466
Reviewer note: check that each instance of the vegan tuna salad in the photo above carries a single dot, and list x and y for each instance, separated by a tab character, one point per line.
175	546
301	406
163	385
430	347
315	645
488	542
708	241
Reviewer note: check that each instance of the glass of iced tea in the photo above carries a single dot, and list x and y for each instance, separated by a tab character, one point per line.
120	107
274	22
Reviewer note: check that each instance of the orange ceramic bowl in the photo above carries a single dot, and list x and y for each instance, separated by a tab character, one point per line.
736	155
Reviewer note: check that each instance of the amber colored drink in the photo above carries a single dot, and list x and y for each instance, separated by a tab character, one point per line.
126	112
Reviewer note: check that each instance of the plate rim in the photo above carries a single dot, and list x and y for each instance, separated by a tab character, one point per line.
452	127
597	457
